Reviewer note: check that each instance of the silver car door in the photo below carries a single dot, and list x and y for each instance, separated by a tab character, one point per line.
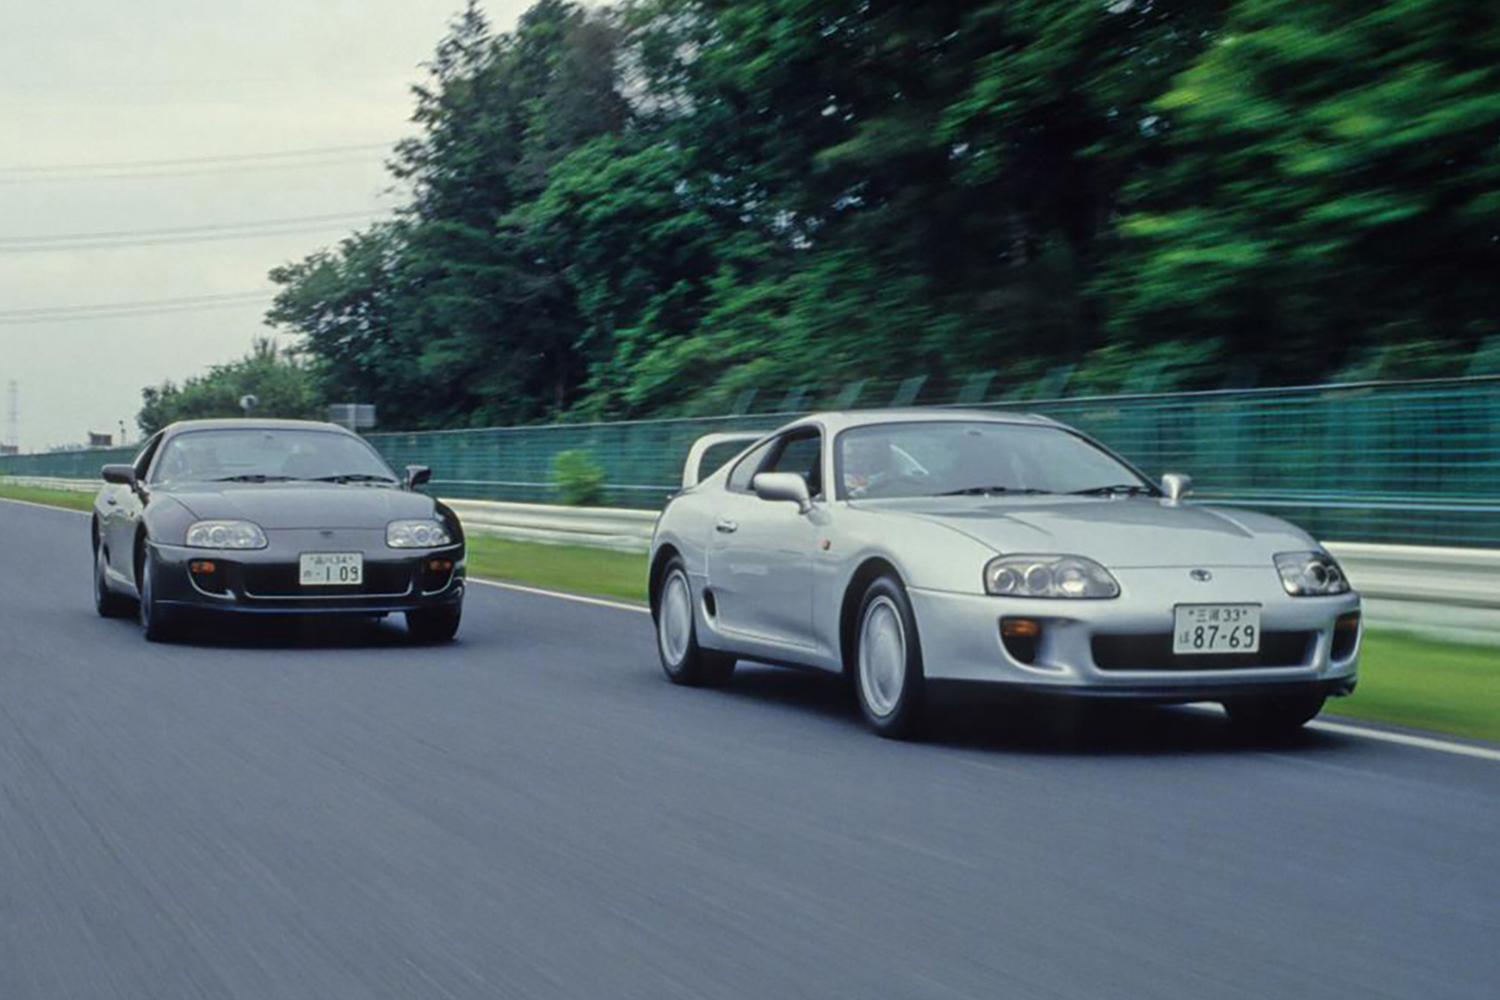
760	555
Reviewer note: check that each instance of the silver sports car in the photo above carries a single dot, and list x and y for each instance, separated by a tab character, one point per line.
907	549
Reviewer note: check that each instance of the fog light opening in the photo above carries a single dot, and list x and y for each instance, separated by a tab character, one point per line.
1345	635
1021	637
203	567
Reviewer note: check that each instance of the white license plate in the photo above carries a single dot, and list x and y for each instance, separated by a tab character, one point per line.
1216	628
333	569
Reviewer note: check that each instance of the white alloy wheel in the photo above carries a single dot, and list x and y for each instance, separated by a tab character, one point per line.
674	623
882	656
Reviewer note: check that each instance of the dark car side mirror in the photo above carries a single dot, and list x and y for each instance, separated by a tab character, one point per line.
417	475
120	475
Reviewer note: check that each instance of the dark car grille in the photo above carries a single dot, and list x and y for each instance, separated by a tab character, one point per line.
387	579
1154	652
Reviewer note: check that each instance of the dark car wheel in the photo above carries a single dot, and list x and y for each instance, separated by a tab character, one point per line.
888	678
159	624
1273	716
434	624
108	603
684	661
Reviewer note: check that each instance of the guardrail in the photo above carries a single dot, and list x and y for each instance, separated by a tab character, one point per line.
1454	592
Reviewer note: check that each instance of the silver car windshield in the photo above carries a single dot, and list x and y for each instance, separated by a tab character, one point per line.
264	455
976	457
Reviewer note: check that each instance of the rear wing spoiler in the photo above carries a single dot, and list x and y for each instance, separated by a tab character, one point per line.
692	471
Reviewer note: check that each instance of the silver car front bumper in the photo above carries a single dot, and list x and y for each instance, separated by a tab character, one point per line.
1121	647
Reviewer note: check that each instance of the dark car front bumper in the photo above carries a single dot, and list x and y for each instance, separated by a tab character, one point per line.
267	581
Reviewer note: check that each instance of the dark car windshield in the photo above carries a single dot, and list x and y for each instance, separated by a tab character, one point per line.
268	455
976	457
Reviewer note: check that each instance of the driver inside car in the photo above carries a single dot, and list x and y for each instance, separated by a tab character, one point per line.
868	462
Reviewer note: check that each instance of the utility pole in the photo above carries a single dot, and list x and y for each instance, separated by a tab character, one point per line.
13	416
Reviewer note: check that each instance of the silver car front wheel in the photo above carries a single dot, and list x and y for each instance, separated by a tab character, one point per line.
888	660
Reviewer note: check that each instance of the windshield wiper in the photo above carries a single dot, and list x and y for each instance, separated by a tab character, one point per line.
974	491
352	477
1115	489
253	477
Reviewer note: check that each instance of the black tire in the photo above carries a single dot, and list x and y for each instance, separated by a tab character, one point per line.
683	660
158	624
887	670
1273	716
434	624
108	603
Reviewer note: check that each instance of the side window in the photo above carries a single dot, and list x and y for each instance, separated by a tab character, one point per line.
143	460
739	479
801	453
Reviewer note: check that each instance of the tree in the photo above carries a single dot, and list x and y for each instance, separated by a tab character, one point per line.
282	384
1330	186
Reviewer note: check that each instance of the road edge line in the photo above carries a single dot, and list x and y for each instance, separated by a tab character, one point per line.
1405	739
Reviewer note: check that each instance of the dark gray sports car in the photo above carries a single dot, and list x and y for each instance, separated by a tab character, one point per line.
273	516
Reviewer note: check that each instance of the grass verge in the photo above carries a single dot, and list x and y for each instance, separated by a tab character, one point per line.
1425	683
1406	680
52	498
561	567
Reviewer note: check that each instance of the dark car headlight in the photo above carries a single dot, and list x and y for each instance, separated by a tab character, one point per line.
226	535
419	534
1048	576
1311	574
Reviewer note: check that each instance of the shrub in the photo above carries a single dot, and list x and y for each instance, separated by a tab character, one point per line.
578	478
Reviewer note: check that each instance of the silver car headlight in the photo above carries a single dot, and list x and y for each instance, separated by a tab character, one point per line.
1048	576
226	535
425	534
1311	574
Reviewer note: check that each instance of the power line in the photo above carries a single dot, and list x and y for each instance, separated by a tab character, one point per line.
207	227
183	234
191	160
184	173
128	310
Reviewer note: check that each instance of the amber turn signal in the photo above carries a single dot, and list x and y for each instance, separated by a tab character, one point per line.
203	567
1020	627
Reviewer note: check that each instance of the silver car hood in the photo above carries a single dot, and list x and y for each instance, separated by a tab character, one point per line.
1123	532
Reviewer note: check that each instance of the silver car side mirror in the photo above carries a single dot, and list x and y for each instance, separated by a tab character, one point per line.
1176	485
783	486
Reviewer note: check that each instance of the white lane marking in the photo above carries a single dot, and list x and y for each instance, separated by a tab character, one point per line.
1405	739
579	598
1342	729
47	506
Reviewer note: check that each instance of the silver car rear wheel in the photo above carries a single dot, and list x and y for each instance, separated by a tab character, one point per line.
674	623
683	660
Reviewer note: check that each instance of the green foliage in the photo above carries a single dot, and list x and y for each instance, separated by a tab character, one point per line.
578	478
646	209
282	384
1327	189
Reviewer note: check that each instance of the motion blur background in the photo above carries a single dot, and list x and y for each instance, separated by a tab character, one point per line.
689	207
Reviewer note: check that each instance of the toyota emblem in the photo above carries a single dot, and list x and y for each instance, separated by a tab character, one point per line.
1201	575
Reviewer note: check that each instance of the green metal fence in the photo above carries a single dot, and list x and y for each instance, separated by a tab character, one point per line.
1411	462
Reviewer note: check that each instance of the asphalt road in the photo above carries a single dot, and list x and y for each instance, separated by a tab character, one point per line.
326	812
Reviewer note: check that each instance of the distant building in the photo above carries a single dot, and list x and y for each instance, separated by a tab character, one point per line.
101	440
10	449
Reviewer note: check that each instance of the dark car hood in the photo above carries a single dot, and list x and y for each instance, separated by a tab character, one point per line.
276	506
1120	532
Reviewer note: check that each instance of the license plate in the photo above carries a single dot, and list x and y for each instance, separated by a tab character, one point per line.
333	569
1216	628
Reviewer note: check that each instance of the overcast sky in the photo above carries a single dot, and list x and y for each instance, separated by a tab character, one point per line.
89	82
